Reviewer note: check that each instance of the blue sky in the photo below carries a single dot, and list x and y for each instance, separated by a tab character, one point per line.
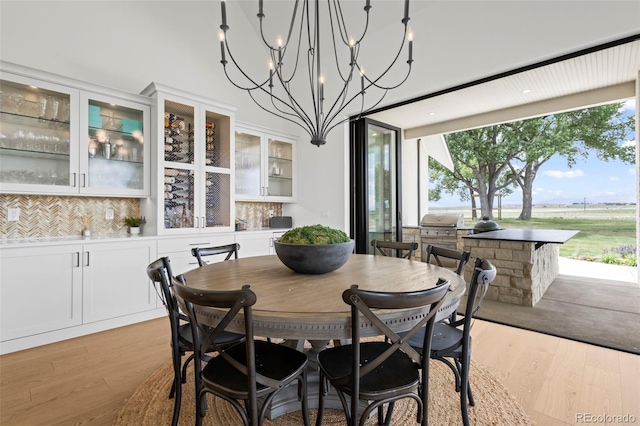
589	179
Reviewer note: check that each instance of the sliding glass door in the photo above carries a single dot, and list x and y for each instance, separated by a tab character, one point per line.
375	182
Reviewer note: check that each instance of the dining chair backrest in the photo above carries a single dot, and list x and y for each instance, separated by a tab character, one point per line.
234	374
160	273
228	249
365	305
444	257
405	250
484	273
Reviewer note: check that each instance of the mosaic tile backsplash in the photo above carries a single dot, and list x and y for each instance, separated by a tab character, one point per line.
57	216
257	214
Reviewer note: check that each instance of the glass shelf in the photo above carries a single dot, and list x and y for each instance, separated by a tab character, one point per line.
26	153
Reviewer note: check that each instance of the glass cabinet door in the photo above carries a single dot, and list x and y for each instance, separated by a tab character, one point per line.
114	153
179	157
280	168
217	171
36	152
248	165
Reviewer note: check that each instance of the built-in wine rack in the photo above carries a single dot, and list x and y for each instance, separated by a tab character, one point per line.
179	188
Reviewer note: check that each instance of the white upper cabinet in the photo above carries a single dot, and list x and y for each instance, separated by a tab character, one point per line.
264	165
193	154
62	137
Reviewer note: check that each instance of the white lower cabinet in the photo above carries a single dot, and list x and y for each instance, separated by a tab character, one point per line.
41	290
114	279
258	244
56	292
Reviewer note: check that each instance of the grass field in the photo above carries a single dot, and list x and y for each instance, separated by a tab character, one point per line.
602	227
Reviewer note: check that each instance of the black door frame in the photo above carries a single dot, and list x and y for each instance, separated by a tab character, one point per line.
358	158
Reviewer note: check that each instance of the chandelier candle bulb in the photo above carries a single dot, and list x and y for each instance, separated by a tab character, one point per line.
223	6
410	38
352	47
270	73
221	35
362	80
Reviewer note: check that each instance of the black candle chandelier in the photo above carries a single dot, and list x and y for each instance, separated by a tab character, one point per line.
274	93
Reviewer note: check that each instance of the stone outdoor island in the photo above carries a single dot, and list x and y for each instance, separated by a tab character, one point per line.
526	259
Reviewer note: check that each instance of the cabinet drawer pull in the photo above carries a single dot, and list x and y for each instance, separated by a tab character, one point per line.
199	244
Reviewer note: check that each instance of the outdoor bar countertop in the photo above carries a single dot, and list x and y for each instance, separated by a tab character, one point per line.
538	236
526	259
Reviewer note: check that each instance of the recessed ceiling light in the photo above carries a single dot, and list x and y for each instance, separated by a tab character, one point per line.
432	113
526	91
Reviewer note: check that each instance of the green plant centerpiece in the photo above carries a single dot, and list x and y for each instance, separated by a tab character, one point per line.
314	249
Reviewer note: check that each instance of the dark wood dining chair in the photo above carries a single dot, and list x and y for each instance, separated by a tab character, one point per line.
160	274
441	255
248	374
227	249
394	248
453	341
380	372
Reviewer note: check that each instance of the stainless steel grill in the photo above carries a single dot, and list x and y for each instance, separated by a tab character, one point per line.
440	230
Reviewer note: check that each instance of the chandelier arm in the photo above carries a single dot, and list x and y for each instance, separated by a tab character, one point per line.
297	123
343	95
339	17
335	46
293	20
283	79
362	111
248	88
294	106
374	81
298	110
344	26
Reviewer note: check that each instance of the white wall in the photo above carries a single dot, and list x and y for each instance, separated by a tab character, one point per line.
128	44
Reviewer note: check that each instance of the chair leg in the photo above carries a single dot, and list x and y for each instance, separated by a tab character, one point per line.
321	394
464	391
176	390
305	403
176	403
387	419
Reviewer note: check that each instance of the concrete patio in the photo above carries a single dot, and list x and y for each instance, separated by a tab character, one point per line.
589	302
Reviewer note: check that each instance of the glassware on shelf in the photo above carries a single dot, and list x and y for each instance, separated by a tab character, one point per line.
55	108
42	106
16	101
111	122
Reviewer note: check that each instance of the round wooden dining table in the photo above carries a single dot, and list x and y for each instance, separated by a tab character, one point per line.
310	307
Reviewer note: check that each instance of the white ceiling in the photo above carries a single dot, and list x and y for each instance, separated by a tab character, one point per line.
601	76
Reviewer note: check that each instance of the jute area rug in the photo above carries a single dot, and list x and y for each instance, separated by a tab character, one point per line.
149	405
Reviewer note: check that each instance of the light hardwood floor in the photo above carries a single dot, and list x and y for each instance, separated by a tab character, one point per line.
85	381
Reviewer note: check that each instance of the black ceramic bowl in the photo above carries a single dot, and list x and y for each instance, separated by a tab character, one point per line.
314	258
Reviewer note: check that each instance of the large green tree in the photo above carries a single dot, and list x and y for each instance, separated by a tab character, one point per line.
499	158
